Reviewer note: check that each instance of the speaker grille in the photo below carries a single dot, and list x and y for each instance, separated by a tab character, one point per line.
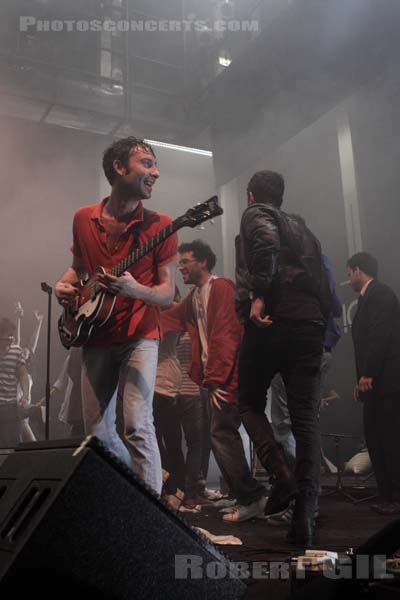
26	510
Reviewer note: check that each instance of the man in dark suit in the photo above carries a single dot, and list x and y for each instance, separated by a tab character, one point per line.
376	337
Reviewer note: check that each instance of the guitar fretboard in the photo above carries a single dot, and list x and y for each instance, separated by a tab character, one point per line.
136	255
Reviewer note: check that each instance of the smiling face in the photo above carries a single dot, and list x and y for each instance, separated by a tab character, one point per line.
191	269
140	174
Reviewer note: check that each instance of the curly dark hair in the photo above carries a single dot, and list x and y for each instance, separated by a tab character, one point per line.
365	262
201	251
120	150
267	186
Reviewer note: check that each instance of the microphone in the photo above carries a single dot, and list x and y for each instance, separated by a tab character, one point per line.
46	288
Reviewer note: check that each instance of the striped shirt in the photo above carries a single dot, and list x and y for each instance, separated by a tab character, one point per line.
10	361
184	352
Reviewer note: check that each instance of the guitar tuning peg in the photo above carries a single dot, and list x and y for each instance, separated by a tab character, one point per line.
212	222
201	228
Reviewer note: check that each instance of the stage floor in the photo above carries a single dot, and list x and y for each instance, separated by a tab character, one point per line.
341	525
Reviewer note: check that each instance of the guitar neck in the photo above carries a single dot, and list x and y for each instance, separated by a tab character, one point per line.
138	253
192	217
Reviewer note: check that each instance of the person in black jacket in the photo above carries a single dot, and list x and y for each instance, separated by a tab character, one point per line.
283	299
376	337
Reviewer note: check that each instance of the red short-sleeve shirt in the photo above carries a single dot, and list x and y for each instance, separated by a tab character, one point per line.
131	318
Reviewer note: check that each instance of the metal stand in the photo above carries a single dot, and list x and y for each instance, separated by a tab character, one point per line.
49	291
371	497
340	489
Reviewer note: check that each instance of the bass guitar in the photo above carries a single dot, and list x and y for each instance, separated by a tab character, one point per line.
92	306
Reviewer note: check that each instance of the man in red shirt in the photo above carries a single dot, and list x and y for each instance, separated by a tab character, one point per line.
208	315
124	351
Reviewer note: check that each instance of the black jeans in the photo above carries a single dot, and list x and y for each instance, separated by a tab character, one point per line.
10	425
227	446
293	349
193	416
381	428
206	444
169	438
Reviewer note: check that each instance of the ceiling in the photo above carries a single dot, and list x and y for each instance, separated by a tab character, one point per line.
304	56
116	82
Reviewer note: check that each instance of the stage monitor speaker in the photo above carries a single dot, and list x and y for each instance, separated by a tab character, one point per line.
74	519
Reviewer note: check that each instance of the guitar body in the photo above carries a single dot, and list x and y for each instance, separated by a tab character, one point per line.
86	312
92	307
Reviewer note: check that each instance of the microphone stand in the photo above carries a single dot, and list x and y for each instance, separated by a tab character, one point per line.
49	291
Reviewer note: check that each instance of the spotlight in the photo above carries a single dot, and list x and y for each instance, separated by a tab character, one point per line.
224	59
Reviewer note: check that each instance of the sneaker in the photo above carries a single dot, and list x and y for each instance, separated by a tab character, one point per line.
211	494
228	509
284	486
195	509
284	518
244	513
281	520
224	503
283	491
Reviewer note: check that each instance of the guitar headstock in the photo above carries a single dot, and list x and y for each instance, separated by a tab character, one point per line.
200	213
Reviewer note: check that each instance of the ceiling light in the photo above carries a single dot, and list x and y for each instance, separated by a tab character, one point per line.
224	61
181	148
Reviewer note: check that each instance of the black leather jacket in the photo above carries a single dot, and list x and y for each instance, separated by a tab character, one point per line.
279	259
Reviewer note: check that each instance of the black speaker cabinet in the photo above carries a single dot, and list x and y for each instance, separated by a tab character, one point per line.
73	519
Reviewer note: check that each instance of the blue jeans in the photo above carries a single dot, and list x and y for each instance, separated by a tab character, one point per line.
131	367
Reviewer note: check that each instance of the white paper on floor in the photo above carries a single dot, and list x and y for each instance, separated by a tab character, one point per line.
220	539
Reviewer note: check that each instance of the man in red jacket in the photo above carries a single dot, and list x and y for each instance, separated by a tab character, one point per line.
208	315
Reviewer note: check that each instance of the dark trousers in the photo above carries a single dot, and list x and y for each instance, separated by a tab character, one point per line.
227	446
293	349
206	444
192	413
382	430
169	438
10	425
